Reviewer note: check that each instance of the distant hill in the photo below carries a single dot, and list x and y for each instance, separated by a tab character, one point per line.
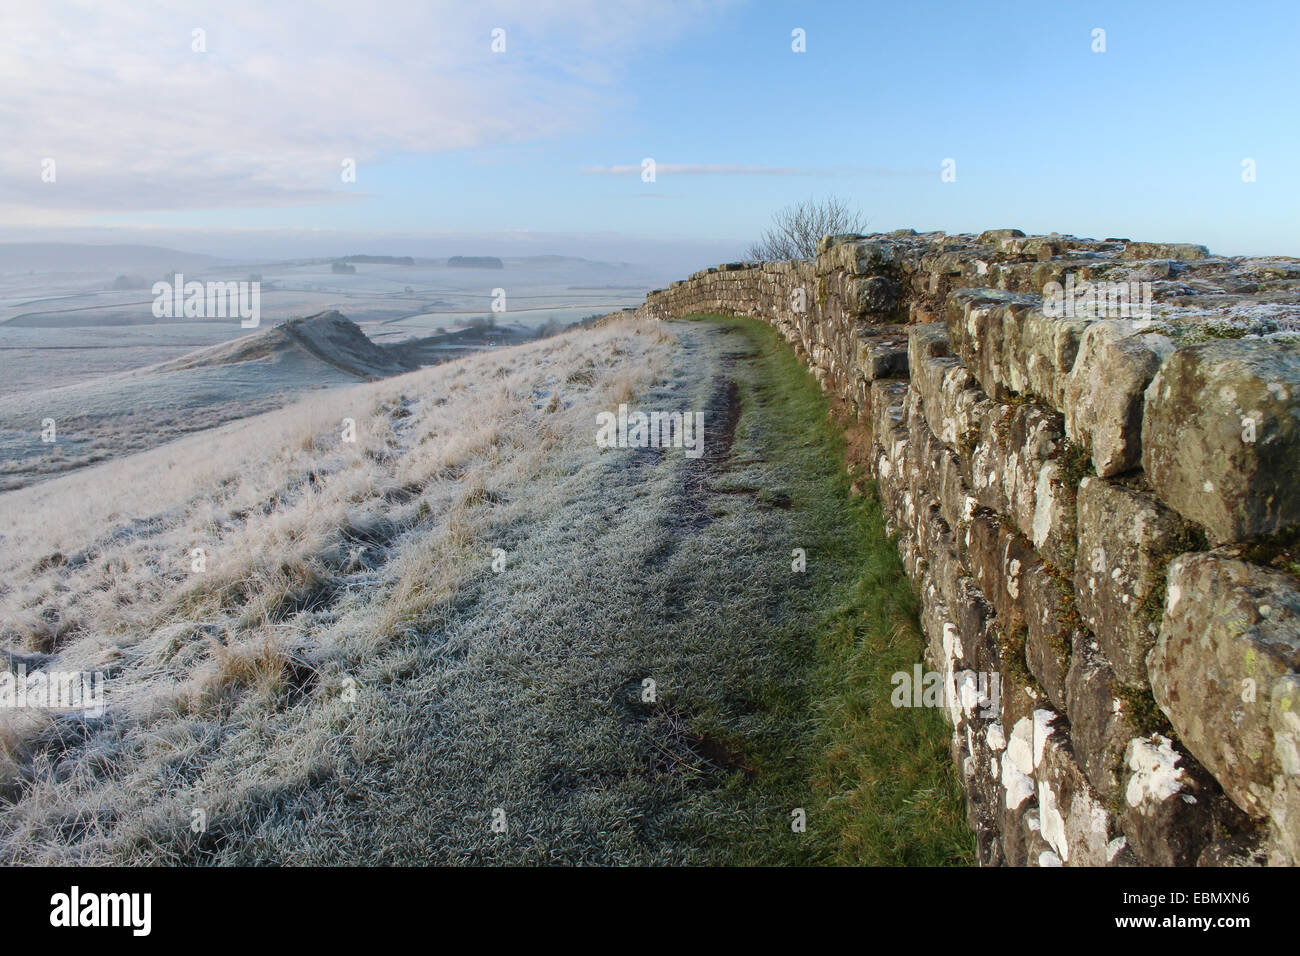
22	257
381	260
329	337
129	411
568	260
475	262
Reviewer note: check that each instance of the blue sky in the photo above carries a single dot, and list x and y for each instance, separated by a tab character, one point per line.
544	142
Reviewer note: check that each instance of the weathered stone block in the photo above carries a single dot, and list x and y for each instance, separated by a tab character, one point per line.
954	494
1181	251
1045	353
1221	436
999	561
977	325
1050	623
875	295
1013	347
879	351
980	753
1051	816
1099	726
1020	755
1126	538
888	399
1284	812
991	237
1025	594
856	256
1229	643
950	397
1015	471
1074	820
1241	849
1172	808
927	341
1104	393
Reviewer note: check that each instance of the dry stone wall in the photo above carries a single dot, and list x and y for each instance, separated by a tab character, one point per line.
1097	500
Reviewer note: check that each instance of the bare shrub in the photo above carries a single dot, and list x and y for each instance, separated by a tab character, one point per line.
798	228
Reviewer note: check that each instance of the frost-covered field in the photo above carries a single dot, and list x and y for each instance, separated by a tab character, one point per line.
77	352
317	651
323	559
421	296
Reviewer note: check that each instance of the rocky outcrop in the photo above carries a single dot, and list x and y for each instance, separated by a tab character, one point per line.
1060	431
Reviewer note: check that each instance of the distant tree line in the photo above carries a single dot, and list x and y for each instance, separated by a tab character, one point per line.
475	262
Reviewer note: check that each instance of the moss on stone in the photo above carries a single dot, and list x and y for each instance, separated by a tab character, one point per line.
1191	538
1142	711
1076	463
1071	619
967	442
1280	551
1011	645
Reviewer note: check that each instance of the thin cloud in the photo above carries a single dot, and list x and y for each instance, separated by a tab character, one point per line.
747	169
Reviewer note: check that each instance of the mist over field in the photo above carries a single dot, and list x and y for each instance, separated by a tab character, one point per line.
82	342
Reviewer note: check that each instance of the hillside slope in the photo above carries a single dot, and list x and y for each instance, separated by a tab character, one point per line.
329	337
127	412
450	623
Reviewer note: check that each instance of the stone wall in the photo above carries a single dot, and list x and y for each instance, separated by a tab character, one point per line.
1098	510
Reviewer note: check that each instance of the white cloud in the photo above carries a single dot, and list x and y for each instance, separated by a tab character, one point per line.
135	120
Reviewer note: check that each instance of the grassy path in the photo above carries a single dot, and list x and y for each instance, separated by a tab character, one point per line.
355	681
771	687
